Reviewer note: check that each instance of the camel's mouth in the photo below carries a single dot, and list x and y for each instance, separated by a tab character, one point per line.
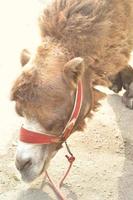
30	175
31	160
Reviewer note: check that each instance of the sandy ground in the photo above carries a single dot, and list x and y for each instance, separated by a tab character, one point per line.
103	169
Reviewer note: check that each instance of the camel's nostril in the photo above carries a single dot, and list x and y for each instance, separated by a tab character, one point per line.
23	163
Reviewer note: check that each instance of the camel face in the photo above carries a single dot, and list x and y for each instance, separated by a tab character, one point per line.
44	94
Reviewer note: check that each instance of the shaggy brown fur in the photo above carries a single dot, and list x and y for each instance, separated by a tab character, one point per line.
98	31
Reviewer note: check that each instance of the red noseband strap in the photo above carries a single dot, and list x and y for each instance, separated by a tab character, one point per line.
32	137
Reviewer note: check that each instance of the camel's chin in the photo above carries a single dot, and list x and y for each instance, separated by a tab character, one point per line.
28	179
30	176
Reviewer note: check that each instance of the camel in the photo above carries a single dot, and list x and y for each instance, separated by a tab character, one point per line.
83	42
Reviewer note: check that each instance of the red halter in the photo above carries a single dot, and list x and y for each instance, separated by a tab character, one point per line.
32	137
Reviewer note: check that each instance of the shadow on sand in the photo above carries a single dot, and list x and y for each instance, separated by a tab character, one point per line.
124	118
39	194
32	193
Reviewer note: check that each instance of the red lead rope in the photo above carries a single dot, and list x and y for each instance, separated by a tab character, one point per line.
56	189
70	159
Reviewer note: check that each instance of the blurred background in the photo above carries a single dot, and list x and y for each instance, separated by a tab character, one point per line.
18	29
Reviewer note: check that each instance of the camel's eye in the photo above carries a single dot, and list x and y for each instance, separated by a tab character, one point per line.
49	126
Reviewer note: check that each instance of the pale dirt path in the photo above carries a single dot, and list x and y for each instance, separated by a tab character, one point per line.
103	169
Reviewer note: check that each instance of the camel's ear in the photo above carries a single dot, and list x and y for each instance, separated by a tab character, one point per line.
73	70
24	57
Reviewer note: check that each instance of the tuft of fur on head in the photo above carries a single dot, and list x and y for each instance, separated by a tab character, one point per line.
25	88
